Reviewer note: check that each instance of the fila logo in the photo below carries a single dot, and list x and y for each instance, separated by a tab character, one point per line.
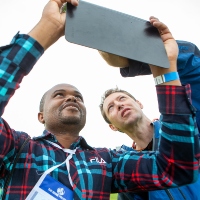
95	159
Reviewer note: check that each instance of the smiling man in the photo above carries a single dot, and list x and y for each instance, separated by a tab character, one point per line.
71	113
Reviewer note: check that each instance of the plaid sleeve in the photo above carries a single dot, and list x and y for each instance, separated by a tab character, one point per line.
16	61
173	105
176	161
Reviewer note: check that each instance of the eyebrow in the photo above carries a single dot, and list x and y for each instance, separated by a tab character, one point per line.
117	97
63	90
60	90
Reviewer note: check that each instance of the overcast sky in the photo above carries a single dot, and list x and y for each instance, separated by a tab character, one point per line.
84	68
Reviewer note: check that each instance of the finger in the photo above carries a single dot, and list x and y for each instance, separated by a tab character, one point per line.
152	17
59	2
62	3
162	28
73	2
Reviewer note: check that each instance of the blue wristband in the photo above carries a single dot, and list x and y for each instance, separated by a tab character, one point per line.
171	76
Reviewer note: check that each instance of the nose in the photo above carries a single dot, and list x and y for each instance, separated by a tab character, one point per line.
71	98
119	105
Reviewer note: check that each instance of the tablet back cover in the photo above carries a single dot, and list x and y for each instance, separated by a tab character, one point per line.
114	32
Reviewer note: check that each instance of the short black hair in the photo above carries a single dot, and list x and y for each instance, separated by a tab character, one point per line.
42	101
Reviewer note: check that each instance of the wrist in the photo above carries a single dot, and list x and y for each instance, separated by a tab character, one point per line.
46	33
170	78
156	70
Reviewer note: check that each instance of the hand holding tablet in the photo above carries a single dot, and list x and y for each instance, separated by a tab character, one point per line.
114	32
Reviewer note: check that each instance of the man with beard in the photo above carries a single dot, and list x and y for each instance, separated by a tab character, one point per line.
59	164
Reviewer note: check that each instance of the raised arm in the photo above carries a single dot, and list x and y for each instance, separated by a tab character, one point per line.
178	152
171	48
17	60
114	60
52	24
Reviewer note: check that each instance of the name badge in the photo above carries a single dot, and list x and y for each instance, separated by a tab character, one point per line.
50	189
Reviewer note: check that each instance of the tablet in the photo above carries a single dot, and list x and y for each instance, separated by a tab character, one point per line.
111	31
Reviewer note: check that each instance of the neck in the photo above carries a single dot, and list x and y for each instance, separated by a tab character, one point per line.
65	136
141	134
66	139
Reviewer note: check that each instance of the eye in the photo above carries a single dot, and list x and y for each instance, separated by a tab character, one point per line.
59	94
110	108
122	98
79	98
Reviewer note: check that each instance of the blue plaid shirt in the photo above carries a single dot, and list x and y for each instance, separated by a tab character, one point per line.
95	172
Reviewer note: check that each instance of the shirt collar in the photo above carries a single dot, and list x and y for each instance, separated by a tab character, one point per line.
80	142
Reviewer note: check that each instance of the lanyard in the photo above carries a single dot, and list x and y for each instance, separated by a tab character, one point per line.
71	152
37	192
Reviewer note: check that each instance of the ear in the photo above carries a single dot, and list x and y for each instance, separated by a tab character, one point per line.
140	104
113	127
41	117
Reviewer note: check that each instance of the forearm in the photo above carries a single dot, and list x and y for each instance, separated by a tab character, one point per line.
114	60
52	23
178	144
46	33
16	61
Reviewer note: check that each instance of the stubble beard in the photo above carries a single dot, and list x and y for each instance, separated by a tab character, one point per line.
70	120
